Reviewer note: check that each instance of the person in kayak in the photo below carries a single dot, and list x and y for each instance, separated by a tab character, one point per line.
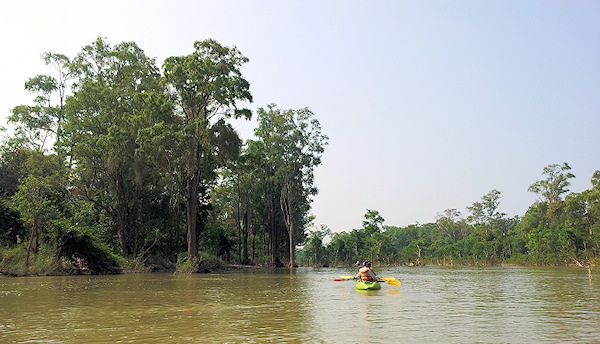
366	273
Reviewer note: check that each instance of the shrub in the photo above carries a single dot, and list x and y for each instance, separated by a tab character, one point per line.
95	256
204	262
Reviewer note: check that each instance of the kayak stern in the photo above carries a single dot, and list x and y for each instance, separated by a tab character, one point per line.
364	285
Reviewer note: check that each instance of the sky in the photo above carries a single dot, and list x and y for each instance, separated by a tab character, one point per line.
428	105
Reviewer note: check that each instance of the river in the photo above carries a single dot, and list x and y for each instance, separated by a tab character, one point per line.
433	305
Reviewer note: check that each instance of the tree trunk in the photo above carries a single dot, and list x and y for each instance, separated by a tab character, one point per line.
253	247
245	236
239	221
124	213
286	201
273	232
121	223
192	212
33	234
239	229
291	230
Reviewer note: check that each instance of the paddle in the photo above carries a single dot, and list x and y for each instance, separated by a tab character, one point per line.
383	278
346	277
388	280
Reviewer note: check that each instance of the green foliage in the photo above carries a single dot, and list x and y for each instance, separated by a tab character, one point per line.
204	262
92	255
205	87
117	95
314	252
11	226
556	183
557	233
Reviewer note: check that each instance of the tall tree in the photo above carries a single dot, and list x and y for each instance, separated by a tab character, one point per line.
593	199
485	212
117	94
372	228
43	121
373	222
206	87
294	144
451	224
556	183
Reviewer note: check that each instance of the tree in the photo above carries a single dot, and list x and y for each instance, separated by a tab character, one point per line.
294	144
314	248
373	222
39	199
372	227
205	86
118	94
13	155
40	122
451	224
556	183
486	212
593	199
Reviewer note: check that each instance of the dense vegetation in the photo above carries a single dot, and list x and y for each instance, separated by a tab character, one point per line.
554	231
120	164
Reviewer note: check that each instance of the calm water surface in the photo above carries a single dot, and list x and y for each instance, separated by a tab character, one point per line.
433	305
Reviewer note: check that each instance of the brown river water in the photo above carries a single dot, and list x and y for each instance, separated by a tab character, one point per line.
433	305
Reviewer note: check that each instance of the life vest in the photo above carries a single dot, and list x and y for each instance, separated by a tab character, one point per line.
364	274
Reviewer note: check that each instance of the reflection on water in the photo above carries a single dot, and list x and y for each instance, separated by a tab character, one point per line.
433	305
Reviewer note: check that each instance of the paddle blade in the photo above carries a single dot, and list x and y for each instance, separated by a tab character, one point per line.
340	279
394	283
388	278
347	277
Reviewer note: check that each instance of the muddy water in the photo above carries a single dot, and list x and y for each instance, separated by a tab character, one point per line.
433	305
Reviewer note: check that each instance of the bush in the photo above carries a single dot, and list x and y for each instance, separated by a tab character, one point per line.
204	262
95	257
11	226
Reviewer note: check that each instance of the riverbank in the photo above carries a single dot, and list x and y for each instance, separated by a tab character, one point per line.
236	267
13	264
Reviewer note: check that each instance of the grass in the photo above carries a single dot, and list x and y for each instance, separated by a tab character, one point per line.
12	262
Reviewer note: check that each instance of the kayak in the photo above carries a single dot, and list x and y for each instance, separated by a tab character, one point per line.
365	285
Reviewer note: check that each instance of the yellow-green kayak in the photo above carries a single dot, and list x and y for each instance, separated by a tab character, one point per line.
364	285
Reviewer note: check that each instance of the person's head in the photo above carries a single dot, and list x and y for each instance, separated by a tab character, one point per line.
367	264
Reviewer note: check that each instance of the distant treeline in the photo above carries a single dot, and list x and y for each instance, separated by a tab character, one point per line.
554	231
119	164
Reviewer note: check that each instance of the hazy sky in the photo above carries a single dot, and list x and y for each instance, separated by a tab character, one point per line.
428	105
